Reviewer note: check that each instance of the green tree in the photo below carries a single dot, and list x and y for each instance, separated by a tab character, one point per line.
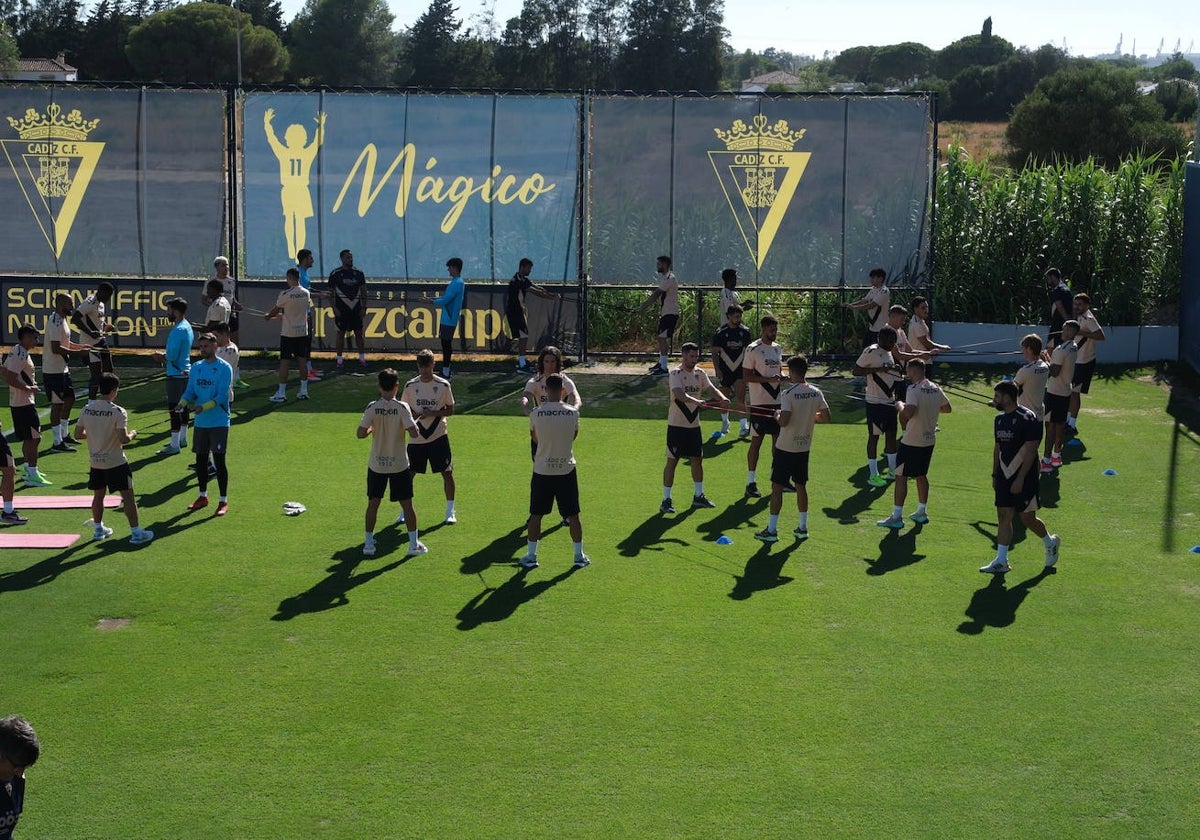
972	50
199	43
50	27
101	53
655	48
1090	111
268	13
1178	99
604	32
704	42
8	51
343	43
1177	67
901	62
433	46
854	64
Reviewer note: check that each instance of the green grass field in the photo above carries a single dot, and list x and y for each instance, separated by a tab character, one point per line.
272	682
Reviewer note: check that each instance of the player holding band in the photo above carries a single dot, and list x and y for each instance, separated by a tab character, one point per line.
729	353
431	401
687	383
919	411
801	407
90	320
56	374
878	366
762	368
553	427
386	420
22	400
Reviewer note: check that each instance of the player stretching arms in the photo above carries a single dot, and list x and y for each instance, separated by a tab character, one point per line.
878	366
919	412
762	369
683	425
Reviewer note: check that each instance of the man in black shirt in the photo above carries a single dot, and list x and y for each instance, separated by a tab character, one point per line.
1061	300
348	289
729	351
514	308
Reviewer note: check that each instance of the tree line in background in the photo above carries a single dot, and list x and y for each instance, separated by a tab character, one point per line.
1059	106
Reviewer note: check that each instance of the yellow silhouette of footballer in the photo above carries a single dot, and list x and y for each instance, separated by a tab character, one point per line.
295	164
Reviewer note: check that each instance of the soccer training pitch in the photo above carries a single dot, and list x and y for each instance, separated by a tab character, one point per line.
266	680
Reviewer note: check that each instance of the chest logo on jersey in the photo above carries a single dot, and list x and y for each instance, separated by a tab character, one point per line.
54	163
759	171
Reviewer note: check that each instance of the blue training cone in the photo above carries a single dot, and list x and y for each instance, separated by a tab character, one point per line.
724	540
1196	549
1110	472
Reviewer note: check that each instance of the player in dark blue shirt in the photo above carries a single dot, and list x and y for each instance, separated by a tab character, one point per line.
348	290
1061	305
729	351
1015	477
19	748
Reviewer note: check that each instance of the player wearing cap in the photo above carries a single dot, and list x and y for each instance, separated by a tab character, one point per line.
553	427
102	423
687	383
729	353
431	401
801	407
762	368
385	421
919	411
1015	475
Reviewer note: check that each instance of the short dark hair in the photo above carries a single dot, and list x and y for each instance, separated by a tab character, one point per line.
1033	341
917	301
897	309
734	309
689	346
26	329
109	382
767	320
454	262
917	363
666	259
302	253
343	252
104	290
221	329
524	261
1007	386
554	382
1083	296
798	364
425	357
887	332
878	272
206	336
178	304
1053	272
214	288
18	742
294	273
389	380
728	274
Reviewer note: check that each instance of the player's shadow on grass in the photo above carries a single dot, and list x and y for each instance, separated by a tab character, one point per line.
763	570
1018	531
177	488
1049	490
497	604
737	515
862	499
1075	451
331	592
652	533
500	550
47	570
995	605
897	549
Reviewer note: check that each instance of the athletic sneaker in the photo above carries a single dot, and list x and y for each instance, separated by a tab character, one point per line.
919	518
201	502
13	518
36	479
877	481
719	434
451	518
582	560
102	533
369	549
888	474
419	548
63	447
896	522
1056	461
70	441
303	395
1052	551
528	562
788	488
752	490
702	501
169	449
241	384
767	535
1047	467
996	567
313	375
659	373
277	398
400	519
141	537
743	432
222	508
800	534
666	507
657	368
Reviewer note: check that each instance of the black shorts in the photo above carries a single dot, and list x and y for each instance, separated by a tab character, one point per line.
913	461
446	332
210	440
545	490
764	426
233	322
1024	501
101	356
1081	380
730	378
347	320
872	337
881	418
401	485
517	324
1056	408
26	425
113	479
789	468
666	325
684	442
6	455
436	455
294	347
175	388
58	387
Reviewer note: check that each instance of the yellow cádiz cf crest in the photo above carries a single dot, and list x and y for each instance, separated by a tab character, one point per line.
54	163
759	173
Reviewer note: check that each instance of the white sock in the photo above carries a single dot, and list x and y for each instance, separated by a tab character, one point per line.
921	508
1048	540
662	362
304	387
8	506
724	420
369	537
751	476
531	548
666	494
223	499
521	360
362	358
699	485
897	511
1071	420
177	439
446	371
412	539
203	494
281	390
1002	553
873	465
449	506
58	435
578	548
307	367
64	428
773	522
891	456
803	520
1057	453
339	358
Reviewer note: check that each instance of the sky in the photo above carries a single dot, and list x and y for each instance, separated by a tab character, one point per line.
817	26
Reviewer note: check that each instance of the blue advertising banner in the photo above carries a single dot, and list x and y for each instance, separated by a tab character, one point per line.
121	182
406	181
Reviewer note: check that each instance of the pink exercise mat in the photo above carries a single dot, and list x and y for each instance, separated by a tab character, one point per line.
24	539
23	502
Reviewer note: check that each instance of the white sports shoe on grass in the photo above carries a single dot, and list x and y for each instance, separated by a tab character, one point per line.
896	522
996	567
528	562
1052	551
419	548
369	549
582	560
